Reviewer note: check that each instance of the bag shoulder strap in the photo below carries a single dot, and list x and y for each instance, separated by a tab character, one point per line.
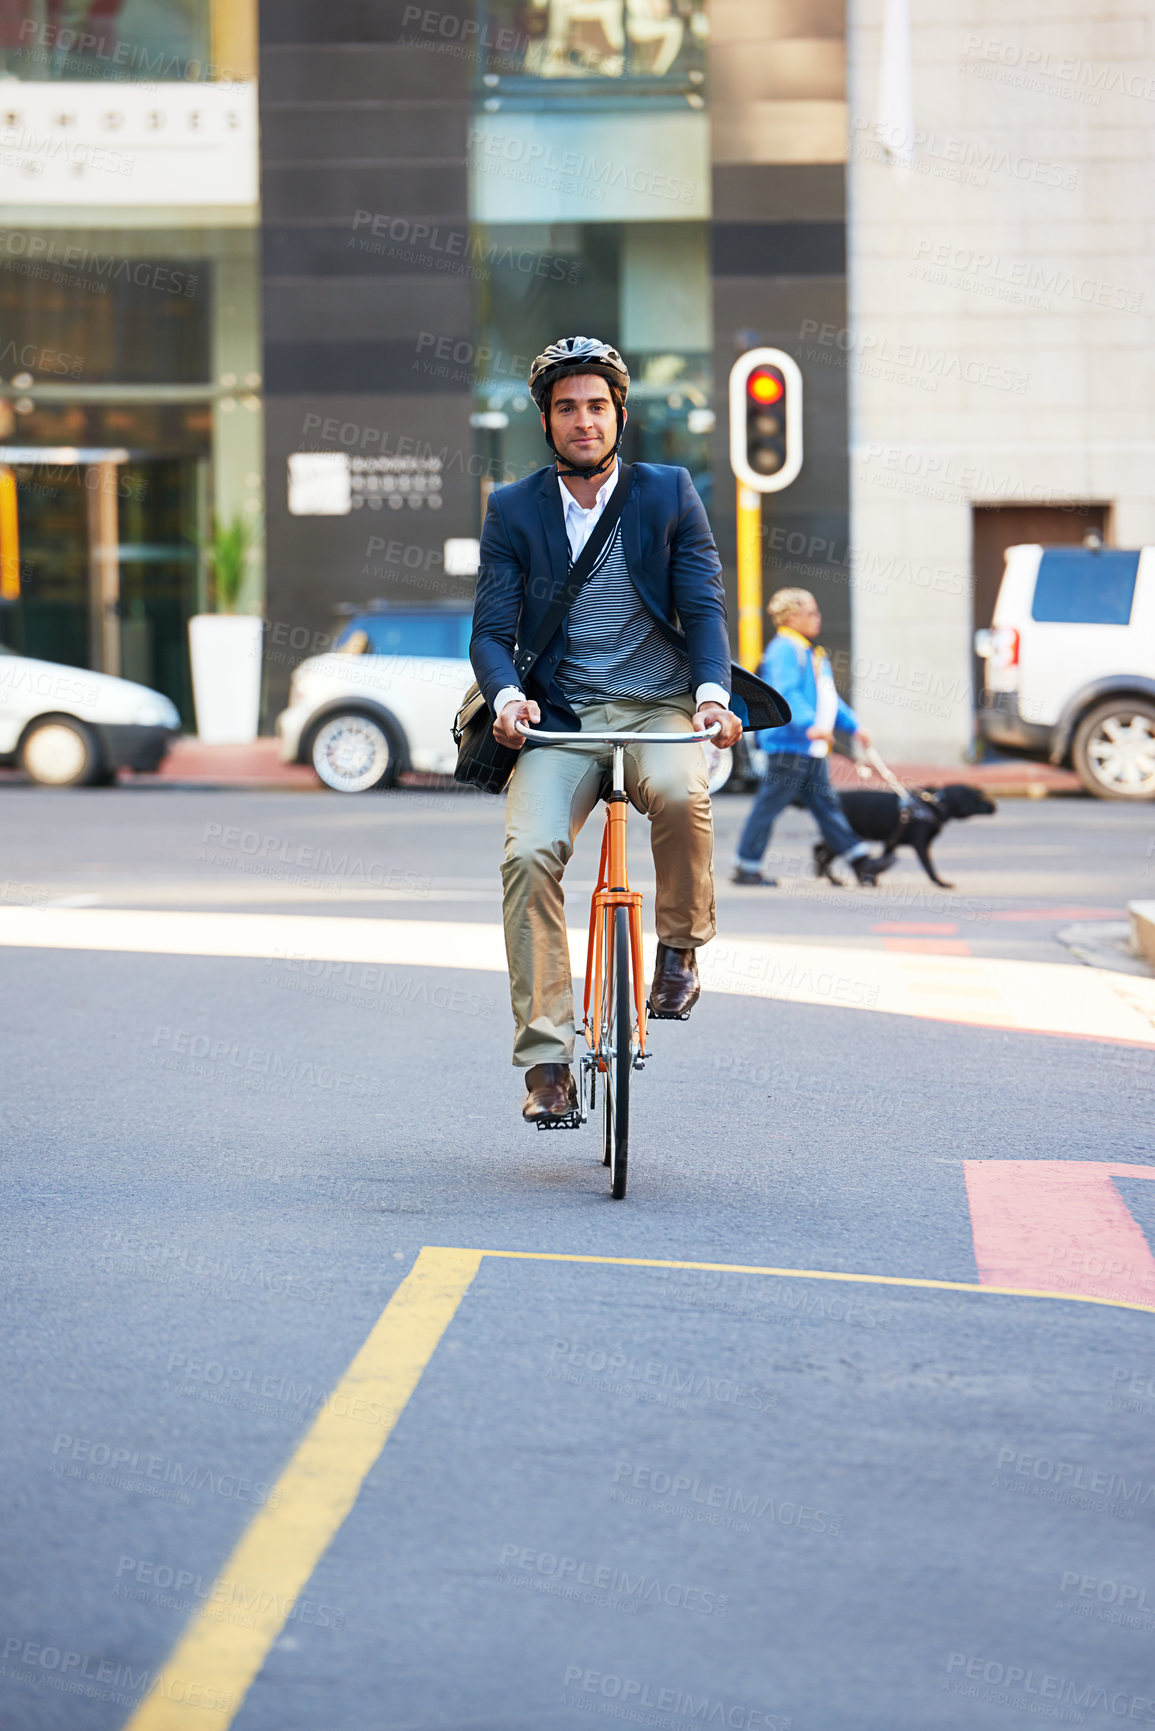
580	571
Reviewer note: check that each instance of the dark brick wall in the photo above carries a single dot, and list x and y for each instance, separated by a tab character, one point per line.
779	253
355	119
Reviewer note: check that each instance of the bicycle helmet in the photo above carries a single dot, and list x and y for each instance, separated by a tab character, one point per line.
580	355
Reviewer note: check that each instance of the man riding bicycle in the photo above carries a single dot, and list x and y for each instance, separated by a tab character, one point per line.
644	649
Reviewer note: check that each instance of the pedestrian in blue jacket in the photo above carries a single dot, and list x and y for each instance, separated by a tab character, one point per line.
797	753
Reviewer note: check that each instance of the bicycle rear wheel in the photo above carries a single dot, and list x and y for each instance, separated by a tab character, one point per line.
616	1049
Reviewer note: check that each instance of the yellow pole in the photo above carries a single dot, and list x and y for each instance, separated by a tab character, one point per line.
9	538
234	40
749	577
104	566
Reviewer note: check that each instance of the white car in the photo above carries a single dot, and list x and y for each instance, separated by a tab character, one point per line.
1070	664
382	700
67	727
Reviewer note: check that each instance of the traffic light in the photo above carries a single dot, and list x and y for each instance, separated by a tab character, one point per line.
765	420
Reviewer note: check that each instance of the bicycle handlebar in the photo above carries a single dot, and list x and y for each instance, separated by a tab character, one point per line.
528	732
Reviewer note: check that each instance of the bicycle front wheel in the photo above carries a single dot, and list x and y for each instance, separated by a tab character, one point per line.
616	1049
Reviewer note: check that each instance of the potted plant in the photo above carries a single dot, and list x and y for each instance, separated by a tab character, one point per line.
225	645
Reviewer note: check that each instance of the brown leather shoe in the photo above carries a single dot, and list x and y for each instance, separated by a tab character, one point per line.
552	1093
675	986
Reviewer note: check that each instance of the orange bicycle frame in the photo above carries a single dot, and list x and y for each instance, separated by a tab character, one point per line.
613	891
613	886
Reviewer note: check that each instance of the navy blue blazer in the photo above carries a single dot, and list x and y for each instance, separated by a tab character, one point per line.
671	558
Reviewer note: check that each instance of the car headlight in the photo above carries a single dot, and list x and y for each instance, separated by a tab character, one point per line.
300	679
157	711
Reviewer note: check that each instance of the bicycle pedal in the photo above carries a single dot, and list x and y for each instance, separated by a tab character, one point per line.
571	1121
667	1015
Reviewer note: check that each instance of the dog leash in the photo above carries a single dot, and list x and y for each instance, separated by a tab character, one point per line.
908	803
888	776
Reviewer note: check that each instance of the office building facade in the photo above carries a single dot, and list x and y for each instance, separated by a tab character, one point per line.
999	330
448	190
130	368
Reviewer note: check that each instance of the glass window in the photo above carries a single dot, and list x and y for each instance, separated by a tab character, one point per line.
1079	587
645	288
51	619
158	575
656	43
57	616
125	40
441	635
81	307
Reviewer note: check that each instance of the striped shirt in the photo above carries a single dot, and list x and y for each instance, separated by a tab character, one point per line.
615	649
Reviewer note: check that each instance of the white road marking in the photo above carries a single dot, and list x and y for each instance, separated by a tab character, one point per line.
1038	997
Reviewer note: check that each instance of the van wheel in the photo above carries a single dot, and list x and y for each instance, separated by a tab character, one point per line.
354	753
1114	749
60	752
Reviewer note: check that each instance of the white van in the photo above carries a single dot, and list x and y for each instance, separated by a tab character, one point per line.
1070	664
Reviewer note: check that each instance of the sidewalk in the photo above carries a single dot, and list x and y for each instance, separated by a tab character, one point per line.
257	765
1008	779
191	764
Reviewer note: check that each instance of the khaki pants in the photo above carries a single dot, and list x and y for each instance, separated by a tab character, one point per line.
553	791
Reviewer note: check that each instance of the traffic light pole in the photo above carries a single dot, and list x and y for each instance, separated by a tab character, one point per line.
749	577
9	537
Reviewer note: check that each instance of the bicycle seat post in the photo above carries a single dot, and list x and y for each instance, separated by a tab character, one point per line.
619	771
616	804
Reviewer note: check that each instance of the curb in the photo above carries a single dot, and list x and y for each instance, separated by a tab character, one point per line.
258	765
1142	916
1005	780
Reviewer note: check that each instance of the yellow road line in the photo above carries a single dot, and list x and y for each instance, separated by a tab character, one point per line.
820	1274
209	1671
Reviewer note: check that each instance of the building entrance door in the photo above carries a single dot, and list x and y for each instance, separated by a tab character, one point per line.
108	564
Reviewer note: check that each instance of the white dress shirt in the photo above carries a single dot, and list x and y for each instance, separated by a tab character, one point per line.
579	526
579	522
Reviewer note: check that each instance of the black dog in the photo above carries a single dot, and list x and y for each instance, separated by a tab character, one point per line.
878	816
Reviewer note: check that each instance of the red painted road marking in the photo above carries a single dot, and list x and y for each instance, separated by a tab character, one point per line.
922	937
1059	1226
910	927
929	946
1060	914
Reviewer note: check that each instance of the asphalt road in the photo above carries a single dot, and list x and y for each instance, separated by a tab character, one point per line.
666	1495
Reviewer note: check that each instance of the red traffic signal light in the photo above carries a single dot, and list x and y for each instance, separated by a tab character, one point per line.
765	419
765	386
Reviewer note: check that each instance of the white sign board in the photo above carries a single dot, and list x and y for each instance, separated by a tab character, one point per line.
319	484
462	556
330	484
128	144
